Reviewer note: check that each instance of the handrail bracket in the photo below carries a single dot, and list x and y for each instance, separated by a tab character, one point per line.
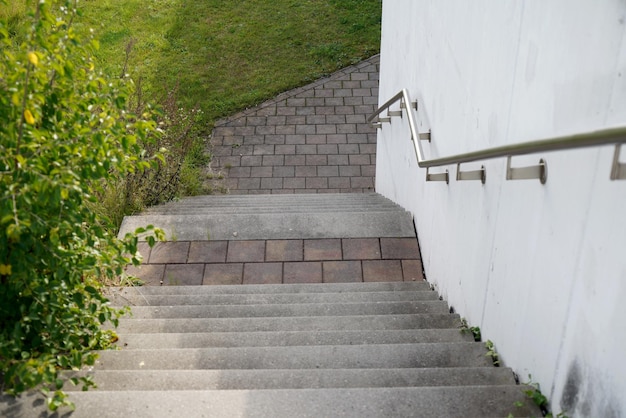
437	176
471	175
539	171
618	170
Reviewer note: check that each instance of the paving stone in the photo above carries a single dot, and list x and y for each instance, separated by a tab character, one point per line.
306	149
352	101
251	160
334	101
284	171
261	171
412	270
316	183
368	170
144	250
316	119
295	159
342	271
246	251
273	160
271	183
399	248
306	171
305	110
347	128
360	248
348	149
285	149
249	183
254	139
286	110
274	139
207	251
294	183
357	139
216	274
337	160
286	130
233	161
326	129
284	250
316	139
326	110
183	274
359	159
349	170
328	171
316	159
338	183
236	172
382	271
150	274
295	139
169	252
327	149
263	149
361	182
322	249
262	273
302	272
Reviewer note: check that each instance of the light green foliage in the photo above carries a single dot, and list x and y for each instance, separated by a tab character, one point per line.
65	133
492	353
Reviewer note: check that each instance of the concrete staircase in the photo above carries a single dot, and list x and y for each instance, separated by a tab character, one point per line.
291	350
230	217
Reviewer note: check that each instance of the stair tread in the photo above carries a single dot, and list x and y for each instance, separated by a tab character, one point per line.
268	298
460	401
294	378
288	310
458	354
267	226
348	322
285	338
277	288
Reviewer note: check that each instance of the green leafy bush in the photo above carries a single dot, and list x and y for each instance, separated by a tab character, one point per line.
65	134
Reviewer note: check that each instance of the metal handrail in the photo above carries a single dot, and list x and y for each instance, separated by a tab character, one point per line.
613	135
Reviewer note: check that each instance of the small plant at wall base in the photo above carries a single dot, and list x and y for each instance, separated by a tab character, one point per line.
465	328
534	394
65	134
492	353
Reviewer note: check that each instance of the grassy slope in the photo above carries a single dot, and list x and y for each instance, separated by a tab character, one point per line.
225	55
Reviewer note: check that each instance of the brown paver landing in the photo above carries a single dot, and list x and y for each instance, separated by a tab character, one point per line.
280	261
313	139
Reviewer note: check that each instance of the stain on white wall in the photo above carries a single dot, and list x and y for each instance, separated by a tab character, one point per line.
540	268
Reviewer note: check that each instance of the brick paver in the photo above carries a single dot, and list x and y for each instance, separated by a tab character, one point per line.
281	261
321	125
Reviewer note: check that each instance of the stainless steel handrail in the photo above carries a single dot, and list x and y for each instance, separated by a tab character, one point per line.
613	135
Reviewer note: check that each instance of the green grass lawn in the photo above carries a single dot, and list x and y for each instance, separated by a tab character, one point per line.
225	55
220	56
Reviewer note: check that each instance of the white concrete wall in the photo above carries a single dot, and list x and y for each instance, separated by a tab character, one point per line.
540	268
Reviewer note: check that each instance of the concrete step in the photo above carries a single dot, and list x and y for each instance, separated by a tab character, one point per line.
297	216
319	202
116	380
289	338
289	310
134	299
276	288
270	226
441	402
463	354
319	323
